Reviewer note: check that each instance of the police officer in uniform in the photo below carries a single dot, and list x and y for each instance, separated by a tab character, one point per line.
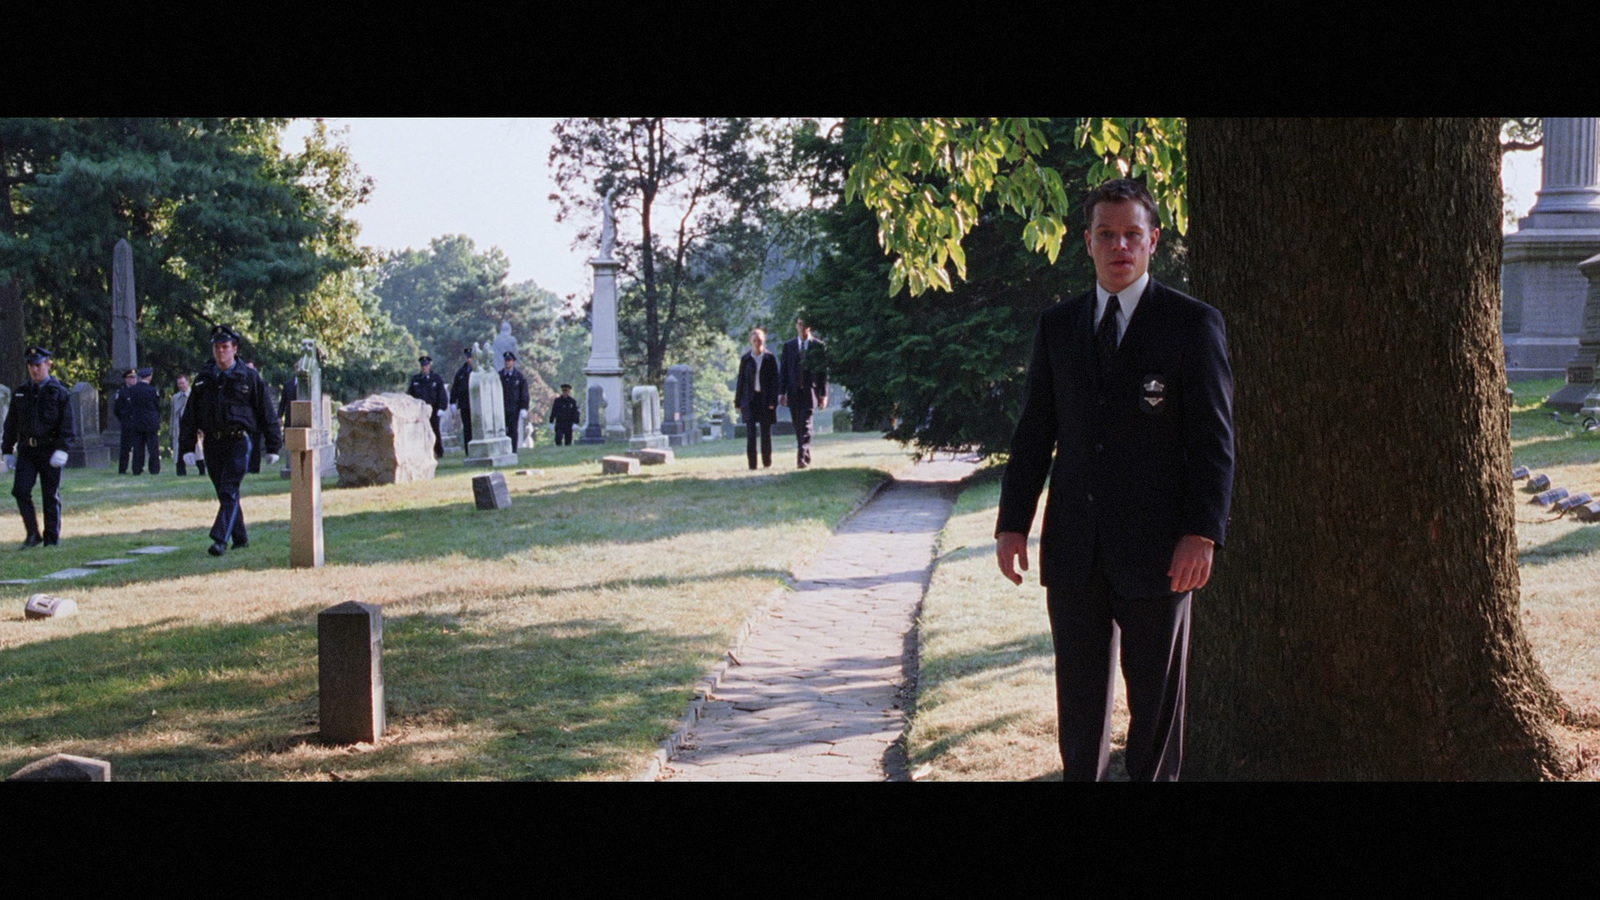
122	408
37	431
428	387
230	406
461	393
144	408
515	386
564	412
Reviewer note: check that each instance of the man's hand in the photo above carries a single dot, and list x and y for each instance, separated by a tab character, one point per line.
272	459
1191	564
823	403
58	458
188	459
1011	549
783	400
11	462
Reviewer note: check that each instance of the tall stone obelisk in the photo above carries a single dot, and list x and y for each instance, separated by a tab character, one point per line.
1543	322
605	363
124	337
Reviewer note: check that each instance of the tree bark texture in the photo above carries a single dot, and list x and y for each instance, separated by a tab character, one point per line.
1363	619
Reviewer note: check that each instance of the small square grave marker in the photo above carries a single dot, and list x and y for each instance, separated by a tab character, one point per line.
490	492
64	767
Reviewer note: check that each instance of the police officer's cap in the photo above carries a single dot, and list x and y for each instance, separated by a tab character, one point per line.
146	372
510	356
467	352
566	387
222	334
424	360
130	374
38	355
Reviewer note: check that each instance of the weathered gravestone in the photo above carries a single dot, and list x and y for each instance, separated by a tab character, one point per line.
490	445
64	767
86	449
303	444
489	491
450	428
647	420
308	389
350	672
385	439
654	457
619	465
678	421
46	606
595	431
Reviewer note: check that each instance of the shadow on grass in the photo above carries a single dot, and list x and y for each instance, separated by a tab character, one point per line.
555	700
1583	541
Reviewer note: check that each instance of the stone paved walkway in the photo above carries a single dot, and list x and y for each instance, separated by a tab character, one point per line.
816	689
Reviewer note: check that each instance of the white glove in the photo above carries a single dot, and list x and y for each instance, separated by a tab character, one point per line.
188	459
11	461
58	458
272	459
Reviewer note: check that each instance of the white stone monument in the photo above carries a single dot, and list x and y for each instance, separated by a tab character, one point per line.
1543	292
647	420
605	364
490	446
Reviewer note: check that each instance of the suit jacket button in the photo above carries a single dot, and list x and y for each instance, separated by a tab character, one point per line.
1091	498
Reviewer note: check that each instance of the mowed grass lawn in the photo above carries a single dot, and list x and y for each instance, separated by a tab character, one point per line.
986	708
557	639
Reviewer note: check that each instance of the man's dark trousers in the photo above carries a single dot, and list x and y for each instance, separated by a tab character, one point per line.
227	460
33	464
146	442
1154	638
124	450
563	435
800	414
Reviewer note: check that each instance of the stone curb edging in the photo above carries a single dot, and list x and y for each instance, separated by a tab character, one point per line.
706	687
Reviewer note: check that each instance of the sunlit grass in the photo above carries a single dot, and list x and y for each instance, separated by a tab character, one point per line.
557	639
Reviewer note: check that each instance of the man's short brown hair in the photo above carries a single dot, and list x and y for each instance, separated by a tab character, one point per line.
1121	190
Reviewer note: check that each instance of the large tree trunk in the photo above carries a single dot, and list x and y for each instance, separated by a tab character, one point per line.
1363	621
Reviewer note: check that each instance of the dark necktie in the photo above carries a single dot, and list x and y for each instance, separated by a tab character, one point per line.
1105	339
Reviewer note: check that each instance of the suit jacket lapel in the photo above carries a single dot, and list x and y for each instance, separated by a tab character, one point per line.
1147	310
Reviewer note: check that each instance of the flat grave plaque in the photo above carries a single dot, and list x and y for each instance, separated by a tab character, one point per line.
109	562
153	550
1538	483
69	573
19	581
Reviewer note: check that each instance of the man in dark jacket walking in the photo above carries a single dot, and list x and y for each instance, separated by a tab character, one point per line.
428	387
230	406
564	412
37	430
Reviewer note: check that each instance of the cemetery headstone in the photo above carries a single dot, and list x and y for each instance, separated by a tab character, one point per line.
350	673
124	338
594	432
653	457
385	439
490	445
678	420
47	606
87	449
647	419
619	465
301	444
489	491
64	767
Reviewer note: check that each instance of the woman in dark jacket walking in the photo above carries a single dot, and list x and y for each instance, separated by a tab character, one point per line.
757	396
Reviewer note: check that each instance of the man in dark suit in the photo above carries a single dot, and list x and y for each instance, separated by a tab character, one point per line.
461	393
805	384
514	388
144	417
1130	390
755	395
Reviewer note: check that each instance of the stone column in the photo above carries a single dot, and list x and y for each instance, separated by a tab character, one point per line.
303	444
1542	311
605	366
